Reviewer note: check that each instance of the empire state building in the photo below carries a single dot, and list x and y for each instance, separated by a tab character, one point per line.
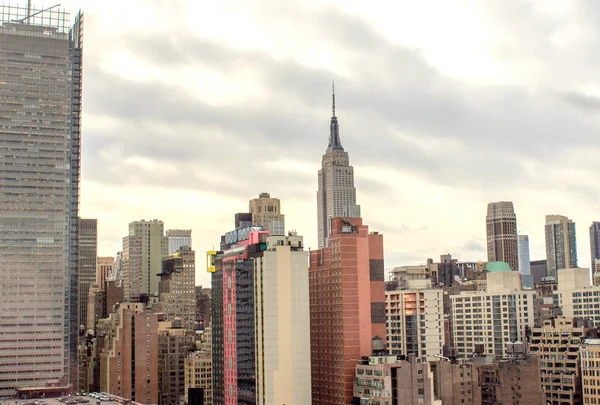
336	196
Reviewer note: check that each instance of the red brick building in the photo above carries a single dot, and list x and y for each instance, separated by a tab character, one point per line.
347	307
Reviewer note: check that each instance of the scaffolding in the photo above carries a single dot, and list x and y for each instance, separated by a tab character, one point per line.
49	17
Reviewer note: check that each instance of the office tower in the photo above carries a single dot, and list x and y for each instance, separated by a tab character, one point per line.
501	223
524	261
129	363
176	287
562	335
88	253
143	251
382	378
177	238
40	106
336	196
198	374
266	212
174	345
260	328
346	296
538	271
594	244
415	322
492	318
561	244
104	268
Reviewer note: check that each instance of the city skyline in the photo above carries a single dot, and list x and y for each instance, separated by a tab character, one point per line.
430	161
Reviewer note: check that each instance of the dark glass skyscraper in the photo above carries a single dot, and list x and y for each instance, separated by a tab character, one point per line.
594	244
40	113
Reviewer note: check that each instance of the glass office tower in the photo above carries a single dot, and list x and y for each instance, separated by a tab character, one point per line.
40	107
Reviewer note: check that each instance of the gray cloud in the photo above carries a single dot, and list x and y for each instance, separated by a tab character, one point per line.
474	245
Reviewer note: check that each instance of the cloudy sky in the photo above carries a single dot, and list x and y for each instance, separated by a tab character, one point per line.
191	108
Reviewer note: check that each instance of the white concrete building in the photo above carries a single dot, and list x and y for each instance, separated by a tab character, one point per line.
282	323
415	322
493	318
577	296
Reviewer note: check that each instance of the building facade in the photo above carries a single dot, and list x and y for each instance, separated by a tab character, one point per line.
415	323
336	195
493	318
590	370
178	238
576	296
557	345
266	212
561	244
40	106
174	345
502	241
198	374
143	251
176	287
104	269
86	272
347	307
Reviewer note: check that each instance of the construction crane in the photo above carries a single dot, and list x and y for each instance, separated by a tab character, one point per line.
29	15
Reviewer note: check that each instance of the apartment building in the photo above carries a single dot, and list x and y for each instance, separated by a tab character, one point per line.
415	322
492	318
590	371
576	295
198	374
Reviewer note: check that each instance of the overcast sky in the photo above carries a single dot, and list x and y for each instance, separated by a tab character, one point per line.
191	108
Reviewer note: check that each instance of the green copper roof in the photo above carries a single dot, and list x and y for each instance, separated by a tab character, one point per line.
497	267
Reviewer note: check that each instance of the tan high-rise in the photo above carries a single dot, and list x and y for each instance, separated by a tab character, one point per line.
561	244
266	212
104	268
502	239
177	287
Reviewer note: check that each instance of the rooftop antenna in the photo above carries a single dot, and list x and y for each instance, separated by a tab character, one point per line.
333	96
29	15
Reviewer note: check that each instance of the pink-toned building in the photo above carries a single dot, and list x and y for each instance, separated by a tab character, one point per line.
347	307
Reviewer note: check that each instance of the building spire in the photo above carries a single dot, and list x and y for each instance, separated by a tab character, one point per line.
333	96
335	145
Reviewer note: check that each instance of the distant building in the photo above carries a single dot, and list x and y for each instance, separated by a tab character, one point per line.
266	212
561	244
502	245
456	383
86	269
594	245
203	306
336	195
143	251
340	306
444	272
412	276
174	345
524	261
561	373
590	370
105	266
492	318
178	238
538	271
415	323
198	374
176	287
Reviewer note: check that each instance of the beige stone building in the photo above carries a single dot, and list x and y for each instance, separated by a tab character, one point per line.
104	268
590	371
502	240
415	322
492	318
282	323
266	212
198	374
177	292
174	345
557	344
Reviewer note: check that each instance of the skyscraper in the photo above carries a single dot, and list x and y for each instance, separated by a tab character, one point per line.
336	196
176	287
88	253
561	244
594	244
178	238
40	106
266	212
501	223
347	307
143	251
524	261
